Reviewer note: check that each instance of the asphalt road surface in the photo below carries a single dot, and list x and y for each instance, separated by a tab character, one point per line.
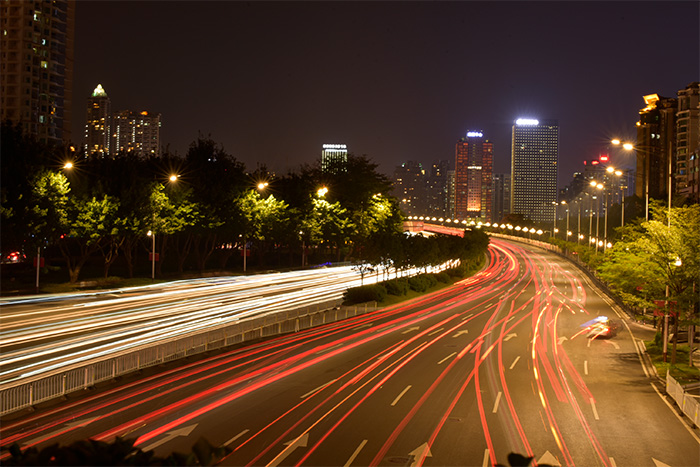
498	363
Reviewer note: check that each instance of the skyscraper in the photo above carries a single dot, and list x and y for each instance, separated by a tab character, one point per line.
98	125
334	157
688	140
534	159
473	171
656	146
37	67
501	196
136	132
436	189
409	187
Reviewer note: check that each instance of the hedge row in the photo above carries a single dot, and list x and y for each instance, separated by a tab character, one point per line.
399	287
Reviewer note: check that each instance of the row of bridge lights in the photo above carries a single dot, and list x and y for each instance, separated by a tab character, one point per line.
517	228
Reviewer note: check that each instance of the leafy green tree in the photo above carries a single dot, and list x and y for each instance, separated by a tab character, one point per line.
264	219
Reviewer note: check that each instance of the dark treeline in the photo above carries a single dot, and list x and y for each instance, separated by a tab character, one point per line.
100	214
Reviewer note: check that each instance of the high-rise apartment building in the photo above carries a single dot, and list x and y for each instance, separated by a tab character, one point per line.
473	172
409	188
436	189
501	197
534	160
688	141
136	132
334	157
98	133
37	66
656	146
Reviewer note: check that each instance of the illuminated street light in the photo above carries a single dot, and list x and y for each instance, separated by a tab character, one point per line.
262	185
173	178
68	165
322	191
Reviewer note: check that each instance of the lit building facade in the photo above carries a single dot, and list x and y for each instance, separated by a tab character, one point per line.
98	133
37	67
500	197
534	165
136	132
656	146
409	188
437	189
334	157
473	177
688	141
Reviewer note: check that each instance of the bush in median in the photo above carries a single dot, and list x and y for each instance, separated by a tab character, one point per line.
365	293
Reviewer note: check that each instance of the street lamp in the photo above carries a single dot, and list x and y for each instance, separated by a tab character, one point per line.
152	234
599	186
567	219
554	224
630	147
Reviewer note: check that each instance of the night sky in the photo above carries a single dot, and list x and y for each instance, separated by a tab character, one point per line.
397	81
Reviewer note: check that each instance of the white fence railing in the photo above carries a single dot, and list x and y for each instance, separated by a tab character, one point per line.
25	394
688	403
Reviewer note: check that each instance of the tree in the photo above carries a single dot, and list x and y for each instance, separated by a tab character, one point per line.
663	252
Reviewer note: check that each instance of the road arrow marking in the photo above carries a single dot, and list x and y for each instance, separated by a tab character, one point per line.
658	463
459	333
510	336
614	344
354	454
411	329
368	325
562	339
436	331
66	427
236	437
548	458
184	431
301	442
419	454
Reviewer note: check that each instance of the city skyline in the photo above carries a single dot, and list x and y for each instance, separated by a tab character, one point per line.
400	89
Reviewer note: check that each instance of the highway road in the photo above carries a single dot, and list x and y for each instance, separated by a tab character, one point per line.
496	364
41	334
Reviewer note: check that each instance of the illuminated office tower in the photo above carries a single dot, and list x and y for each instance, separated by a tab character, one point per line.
136	132
533	171
37	67
98	123
334	157
500	197
410	188
473	177
656	146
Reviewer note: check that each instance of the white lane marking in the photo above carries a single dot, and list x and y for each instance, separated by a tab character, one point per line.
612	462
354	454
436	331
459	333
614	344
317	389
184	431
67	427
485	463
498	399
411	329
595	411
468	316
236	437
641	349
401	395
512	365
585	367
328	349
368	325
447	358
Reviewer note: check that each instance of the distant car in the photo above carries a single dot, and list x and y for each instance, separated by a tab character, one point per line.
13	257
602	326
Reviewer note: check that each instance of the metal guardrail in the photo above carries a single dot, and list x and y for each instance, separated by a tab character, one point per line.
25	394
688	403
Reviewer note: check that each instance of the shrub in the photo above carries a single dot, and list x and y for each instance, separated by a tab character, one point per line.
443	277
365	293
418	283
457	272
396	287
430	279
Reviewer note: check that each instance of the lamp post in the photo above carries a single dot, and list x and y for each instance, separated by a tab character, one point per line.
152	234
630	147
567	220
597	217
554	224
